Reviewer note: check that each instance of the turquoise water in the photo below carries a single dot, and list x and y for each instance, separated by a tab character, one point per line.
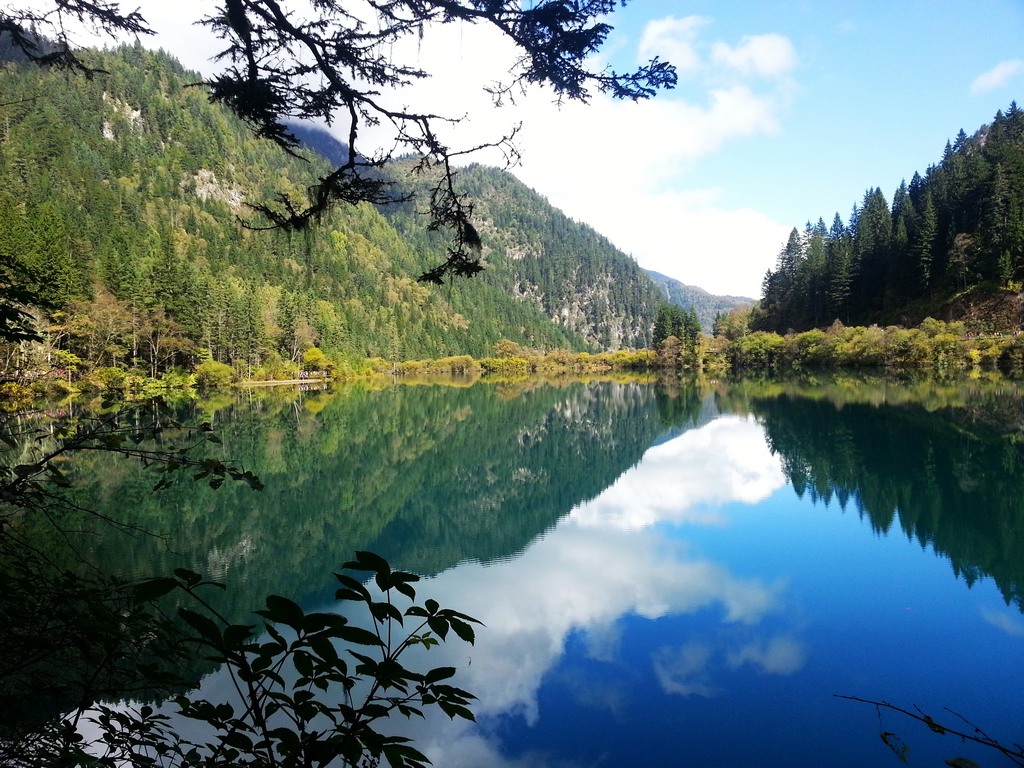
700	612
683	577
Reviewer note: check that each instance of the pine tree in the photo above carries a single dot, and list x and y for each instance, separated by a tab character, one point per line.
61	278
872	237
900	272
812	278
838	256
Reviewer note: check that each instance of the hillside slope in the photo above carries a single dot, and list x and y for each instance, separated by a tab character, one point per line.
522	231
533	251
124	196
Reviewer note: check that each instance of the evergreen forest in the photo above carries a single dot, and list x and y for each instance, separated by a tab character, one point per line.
124	204
947	239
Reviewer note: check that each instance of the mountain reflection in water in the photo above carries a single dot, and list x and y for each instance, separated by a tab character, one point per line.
666	577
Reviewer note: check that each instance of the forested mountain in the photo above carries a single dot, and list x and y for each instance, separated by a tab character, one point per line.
706	305
123	196
535	252
532	250
959	226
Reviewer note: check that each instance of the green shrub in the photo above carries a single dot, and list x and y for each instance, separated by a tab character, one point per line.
714	352
813	348
506	366
14	396
757	351
412	367
107	379
1012	358
932	327
946	352
906	347
315	359
276	368
211	374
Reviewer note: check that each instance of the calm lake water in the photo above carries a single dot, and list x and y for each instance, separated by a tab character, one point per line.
667	577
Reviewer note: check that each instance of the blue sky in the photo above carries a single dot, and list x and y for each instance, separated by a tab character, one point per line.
877	88
785	111
853	95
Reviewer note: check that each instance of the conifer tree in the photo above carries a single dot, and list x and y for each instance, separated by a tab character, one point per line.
923	244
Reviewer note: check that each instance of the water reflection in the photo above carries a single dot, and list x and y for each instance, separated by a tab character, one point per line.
427	476
687	479
951	477
602	567
665	577
700	610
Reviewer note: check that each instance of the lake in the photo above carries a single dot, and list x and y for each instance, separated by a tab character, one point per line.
667	575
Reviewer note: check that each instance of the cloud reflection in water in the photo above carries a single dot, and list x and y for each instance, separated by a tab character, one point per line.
686	479
602	562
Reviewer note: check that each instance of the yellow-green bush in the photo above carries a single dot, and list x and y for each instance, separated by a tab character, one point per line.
211	374
106	379
813	348
506	366
906	347
861	347
14	396
757	351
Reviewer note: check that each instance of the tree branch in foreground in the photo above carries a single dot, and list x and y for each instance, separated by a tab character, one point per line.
1014	753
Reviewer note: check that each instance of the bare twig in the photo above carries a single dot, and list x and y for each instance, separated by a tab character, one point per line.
1014	754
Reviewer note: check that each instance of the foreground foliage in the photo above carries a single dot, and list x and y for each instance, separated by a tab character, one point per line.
80	647
309	689
964	730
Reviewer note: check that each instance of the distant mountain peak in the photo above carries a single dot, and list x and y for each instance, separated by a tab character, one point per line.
706	305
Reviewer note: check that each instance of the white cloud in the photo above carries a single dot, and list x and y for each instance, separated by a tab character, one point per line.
684	671
769	56
686	479
778	656
177	32
690	669
724	251
606	151
622	168
602	641
594	693
674	40
998	77
575	579
1010	624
